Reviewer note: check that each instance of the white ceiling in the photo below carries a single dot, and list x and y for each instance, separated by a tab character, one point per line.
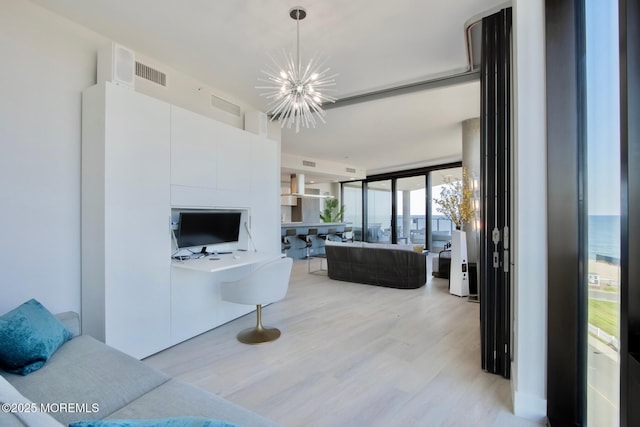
371	44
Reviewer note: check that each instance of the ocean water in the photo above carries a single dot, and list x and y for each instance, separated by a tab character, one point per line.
604	233
604	236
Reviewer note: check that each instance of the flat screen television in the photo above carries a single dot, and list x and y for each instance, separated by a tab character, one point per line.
208	228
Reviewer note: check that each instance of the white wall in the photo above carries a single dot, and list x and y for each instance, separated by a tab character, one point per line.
47	62
530	225
45	66
193	95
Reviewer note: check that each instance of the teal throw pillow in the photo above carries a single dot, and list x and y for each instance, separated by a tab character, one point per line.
29	335
166	422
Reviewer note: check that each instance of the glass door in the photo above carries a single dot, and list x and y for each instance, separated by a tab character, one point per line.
441	226
603	214
398	207
352	201
378	210
411	215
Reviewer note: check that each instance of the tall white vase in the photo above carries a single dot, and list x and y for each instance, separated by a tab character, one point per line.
459	276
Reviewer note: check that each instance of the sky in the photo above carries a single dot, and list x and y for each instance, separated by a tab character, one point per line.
603	108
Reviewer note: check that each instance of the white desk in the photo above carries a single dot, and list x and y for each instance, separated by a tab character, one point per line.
196	303
220	262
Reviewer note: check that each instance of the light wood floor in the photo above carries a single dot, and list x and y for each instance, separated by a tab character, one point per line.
353	355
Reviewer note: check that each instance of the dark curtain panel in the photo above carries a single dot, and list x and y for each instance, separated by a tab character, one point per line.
566	213
629	13
495	292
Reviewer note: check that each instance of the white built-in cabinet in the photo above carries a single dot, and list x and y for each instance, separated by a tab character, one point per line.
194	150
125	211
265	191
141	159
214	165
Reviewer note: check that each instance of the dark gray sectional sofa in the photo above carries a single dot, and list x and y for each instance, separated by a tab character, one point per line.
393	266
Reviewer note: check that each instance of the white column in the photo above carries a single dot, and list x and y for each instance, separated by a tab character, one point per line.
530	200
406	214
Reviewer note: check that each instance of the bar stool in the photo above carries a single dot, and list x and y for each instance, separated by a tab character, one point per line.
308	239
284	239
343	234
330	232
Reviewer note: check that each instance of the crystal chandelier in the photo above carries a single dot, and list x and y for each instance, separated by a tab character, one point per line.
294	92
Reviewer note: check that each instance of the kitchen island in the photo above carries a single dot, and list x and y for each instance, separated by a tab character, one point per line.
298	244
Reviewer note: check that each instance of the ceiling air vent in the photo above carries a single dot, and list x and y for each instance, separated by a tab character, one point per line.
309	163
351	170
145	72
226	106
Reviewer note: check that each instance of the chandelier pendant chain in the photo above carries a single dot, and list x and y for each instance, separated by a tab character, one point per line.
298	40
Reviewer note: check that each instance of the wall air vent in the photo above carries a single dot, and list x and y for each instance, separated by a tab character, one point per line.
145	72
226	106
309	163
351	170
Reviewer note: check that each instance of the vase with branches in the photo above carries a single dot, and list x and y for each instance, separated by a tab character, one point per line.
455	200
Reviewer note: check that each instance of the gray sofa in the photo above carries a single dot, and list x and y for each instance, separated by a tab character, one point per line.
393	266
105	383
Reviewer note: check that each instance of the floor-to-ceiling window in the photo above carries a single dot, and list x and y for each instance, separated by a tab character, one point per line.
586	284
603	213
441	226
352	201
397	207
628	18
411	213
378	211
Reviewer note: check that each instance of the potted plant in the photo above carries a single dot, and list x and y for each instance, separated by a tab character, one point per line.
332	211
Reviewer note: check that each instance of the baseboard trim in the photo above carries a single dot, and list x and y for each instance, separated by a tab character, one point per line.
529	407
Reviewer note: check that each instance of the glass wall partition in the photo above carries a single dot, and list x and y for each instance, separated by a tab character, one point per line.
352	201
441	226
589	376
603	213
411	212
397	207
378	211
